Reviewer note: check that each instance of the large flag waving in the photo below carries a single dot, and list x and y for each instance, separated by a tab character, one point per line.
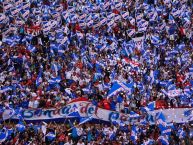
119	86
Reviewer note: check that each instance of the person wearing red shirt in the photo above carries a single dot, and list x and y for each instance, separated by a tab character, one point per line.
106	104
77	28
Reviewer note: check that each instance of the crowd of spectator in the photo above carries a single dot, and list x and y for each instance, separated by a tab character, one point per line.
96	134
52	52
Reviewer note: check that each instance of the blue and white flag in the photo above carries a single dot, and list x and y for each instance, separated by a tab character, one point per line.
125	14
161	120
191	70
74	112
54	81
82	17
112	136
25	14
163	140
139	42
189	113
18	113
15	11
117	17
133	114
71	9
142	25
162	124
3	135
155	40
31	48
17	2
8	113
118	86
85	119
20	127
171	19
181	133
103	21
150	107
133	133
26	6
131	32
2	18
105	5
7	6
118	5
39	77
73	18
51	136
5	89
110	16
59	8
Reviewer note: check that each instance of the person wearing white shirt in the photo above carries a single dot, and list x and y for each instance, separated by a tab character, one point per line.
68	74
30	105
80	142
35	104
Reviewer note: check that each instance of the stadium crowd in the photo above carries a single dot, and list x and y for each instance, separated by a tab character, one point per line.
95	134
55	51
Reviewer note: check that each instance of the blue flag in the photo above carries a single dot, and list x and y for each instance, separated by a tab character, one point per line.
150	106
20	127
85	119
133	133
39	78
3	135
75	112
163	140
51	136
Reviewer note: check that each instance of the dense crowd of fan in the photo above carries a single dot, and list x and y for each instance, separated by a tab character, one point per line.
95	134
55	51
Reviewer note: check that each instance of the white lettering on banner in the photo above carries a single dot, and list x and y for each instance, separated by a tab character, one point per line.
86	108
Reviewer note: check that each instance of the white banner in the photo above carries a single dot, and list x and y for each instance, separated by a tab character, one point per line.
86	108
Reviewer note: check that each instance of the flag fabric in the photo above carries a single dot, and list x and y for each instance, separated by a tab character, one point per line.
133	133
162	124
18	113
112	136
163	140
8	113
150	107
118	86
3	135
181	133
139	42
74	112
51	136
125	14
133	114
39	77
20	126
85	119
